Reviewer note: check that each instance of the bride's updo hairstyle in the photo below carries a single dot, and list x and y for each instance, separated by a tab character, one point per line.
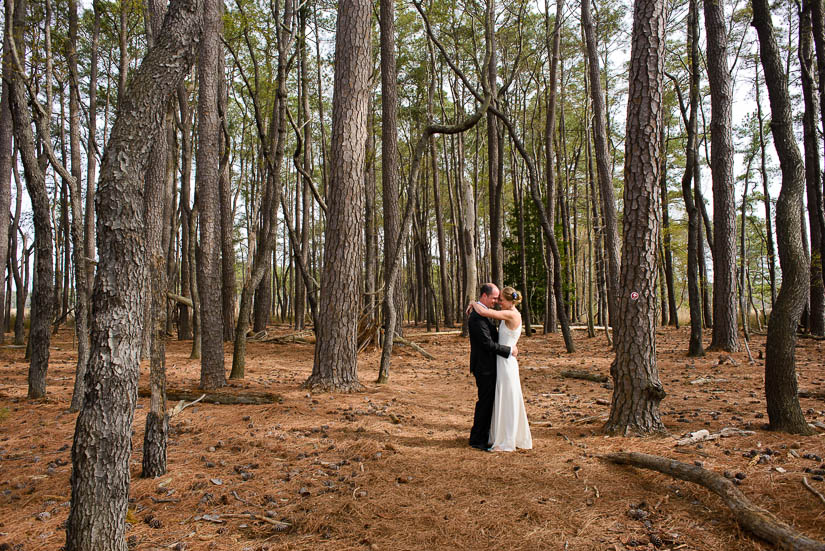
511	295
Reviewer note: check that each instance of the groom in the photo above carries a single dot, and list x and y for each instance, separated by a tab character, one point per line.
483	350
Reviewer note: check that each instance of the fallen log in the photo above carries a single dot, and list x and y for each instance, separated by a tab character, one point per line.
754	519
586	375
417	348
299	336
217	397
401	340
819	395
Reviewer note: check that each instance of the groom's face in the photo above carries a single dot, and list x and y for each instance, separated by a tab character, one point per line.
491	300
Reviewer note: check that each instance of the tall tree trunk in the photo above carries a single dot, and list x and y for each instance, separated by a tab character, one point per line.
273	161
446	298
306	197
81	313
103	435
207	181
6	156
20	284
695	346
763	170
42	306
155	215
494	160
813	174
608	201
91	159
389	152
725	332
228	283
186	219
637	389
784	411
336	346
554	47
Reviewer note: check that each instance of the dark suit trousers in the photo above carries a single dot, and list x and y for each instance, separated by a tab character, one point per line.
483	416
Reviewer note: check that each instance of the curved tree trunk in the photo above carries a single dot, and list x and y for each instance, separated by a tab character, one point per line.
608	201
103	435
637	389
42	305
553	46
784	411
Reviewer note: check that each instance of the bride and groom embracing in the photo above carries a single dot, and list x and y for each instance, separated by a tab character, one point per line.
500	420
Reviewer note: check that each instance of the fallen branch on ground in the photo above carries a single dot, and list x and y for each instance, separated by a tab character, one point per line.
812	489
586	375
704	435
754	519
401	340
279	525
212	397
182	405
819	395
298	336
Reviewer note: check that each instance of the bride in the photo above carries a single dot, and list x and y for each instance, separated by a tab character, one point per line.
509	429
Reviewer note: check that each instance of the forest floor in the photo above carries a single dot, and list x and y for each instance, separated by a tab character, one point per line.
389	468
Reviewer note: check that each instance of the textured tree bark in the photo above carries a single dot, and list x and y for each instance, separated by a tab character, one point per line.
336	347
813	174
553	46
637	389
102	442
155	215
390	188
608	201
81	274
306	198
91	159
207	182
784	411
725	332
6	156
185	126
695	346
228	283
42	305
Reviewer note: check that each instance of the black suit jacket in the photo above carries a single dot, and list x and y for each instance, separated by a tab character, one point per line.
484	344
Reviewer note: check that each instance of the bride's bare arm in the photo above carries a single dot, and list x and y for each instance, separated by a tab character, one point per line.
492	314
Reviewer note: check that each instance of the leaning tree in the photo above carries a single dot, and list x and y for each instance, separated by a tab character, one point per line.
103	435
784	411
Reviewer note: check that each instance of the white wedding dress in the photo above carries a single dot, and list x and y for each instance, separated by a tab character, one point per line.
509	429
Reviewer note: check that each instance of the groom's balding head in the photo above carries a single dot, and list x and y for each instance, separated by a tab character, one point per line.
489	295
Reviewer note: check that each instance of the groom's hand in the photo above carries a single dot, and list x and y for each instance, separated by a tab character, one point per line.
514	351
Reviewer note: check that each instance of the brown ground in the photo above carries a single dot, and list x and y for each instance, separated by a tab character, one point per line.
389	468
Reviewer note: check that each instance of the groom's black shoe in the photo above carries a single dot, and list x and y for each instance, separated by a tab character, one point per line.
480	447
